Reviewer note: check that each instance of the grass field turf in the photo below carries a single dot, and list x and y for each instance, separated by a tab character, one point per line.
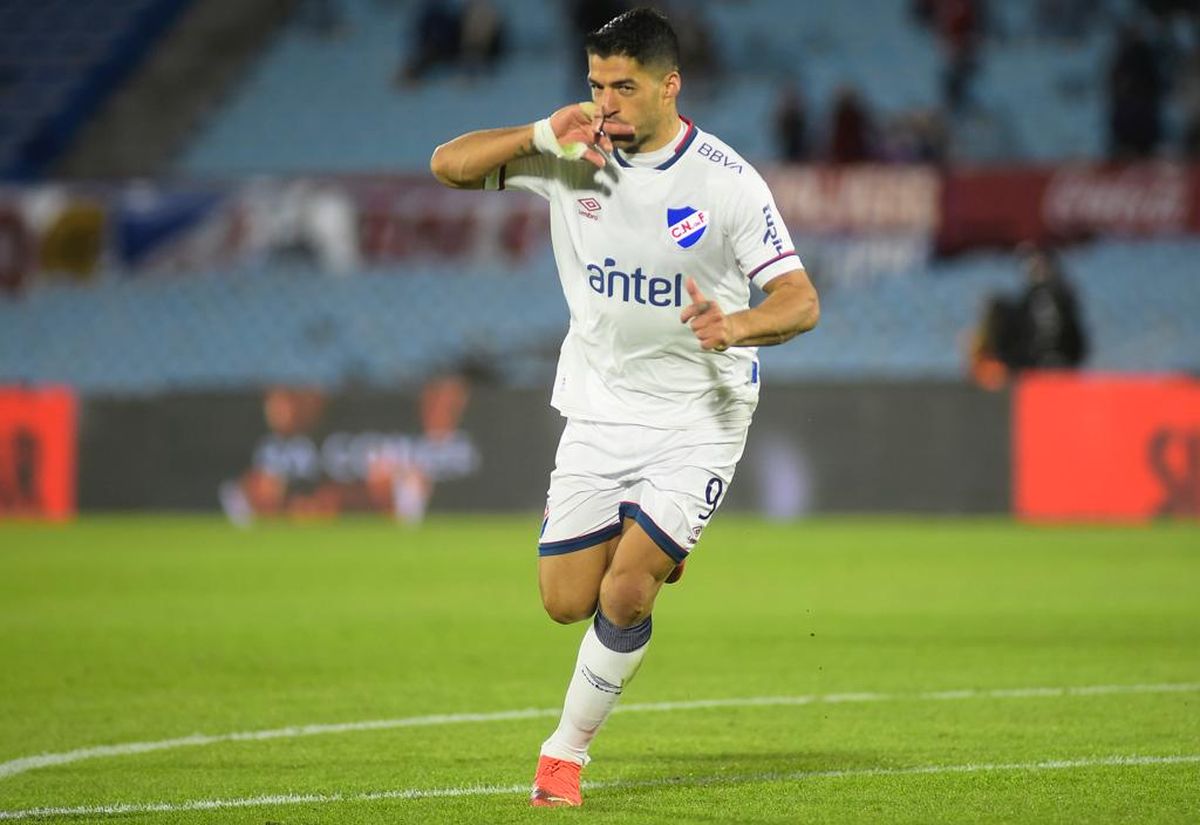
122	630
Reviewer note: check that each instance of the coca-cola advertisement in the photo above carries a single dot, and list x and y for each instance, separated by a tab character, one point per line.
1003	206
1137	200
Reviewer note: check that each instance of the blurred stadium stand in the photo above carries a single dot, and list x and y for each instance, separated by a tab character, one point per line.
59	60
318	102
1035	98
389	328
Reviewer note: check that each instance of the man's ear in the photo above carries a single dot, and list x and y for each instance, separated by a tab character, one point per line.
671	85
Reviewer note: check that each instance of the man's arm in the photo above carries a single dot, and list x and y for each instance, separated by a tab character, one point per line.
790	308
466	161
575	132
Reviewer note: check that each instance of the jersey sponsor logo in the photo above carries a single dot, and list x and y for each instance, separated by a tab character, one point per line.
686	226
771	236
634	287
590	207
720	158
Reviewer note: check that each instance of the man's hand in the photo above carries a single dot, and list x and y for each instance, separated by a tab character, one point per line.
713	328
579	129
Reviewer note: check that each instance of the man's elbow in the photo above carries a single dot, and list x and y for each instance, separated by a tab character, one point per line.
439	165
448	170
807	314
812	313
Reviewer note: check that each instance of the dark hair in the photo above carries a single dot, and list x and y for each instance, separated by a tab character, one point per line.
644	34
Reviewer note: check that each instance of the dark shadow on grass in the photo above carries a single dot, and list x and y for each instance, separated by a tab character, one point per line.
640	780
746	762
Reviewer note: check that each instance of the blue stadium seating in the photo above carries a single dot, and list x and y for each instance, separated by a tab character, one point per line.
328	104
58	60
387	328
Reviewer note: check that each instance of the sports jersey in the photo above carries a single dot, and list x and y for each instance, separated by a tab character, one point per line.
626	238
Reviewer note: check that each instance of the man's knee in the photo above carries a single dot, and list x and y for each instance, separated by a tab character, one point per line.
570	583
627	597
567	608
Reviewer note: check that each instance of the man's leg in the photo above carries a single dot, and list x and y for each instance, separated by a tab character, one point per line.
570	582
609	655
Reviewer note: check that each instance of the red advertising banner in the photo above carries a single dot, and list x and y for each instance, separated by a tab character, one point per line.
1106	447
37	453
1005	206
884	213
857	199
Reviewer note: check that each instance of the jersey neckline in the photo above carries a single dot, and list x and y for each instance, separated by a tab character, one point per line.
682	146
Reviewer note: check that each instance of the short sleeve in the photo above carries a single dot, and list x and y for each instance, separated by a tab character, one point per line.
761	242
533	173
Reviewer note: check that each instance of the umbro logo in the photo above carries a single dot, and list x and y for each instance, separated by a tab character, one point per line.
600	683
590	208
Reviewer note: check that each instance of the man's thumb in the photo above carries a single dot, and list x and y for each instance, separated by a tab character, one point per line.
694	291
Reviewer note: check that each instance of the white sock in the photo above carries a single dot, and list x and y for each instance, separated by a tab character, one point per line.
609	656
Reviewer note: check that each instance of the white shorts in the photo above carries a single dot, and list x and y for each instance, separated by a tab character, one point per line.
669	481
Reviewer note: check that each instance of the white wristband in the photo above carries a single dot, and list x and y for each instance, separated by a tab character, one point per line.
546	142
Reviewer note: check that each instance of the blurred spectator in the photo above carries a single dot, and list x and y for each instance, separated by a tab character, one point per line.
1189	104
791	124
1135	95
325	18
1040	329
699	58
471	38
923	12
483	35
1049	333
991	352
1067	20
1167	8
917	136
586	16
437	40
850	134
959	26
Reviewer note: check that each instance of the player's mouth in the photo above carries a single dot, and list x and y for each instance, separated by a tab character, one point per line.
620	138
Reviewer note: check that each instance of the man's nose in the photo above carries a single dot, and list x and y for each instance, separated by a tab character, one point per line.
608	102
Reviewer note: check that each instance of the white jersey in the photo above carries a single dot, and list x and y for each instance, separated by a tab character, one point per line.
626	238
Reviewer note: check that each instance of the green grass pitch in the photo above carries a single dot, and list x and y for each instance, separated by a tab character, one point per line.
911	650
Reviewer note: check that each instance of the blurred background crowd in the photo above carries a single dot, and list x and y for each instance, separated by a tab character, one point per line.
213	195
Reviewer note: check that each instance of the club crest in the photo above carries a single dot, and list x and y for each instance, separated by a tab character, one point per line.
686	225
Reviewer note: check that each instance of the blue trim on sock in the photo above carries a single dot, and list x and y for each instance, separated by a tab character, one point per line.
622	639
557	548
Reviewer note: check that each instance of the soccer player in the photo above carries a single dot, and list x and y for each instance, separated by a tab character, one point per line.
658	229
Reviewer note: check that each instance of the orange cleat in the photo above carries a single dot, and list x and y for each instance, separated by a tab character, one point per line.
676	574
556	784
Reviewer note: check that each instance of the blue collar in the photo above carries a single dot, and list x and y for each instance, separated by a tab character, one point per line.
682	146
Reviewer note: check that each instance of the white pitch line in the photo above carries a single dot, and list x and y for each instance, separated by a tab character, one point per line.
505	790
24	764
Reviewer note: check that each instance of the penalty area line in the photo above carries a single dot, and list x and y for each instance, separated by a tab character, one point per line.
24	764
275	800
